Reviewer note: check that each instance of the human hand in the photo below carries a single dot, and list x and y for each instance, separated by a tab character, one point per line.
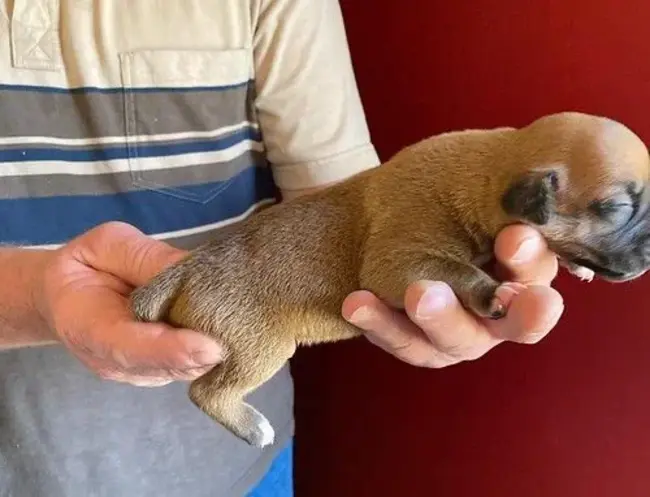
84	299
436	331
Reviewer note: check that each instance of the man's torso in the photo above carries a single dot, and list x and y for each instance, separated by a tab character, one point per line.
124	111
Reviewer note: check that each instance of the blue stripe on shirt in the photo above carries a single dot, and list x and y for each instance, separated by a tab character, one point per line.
105	153
52	220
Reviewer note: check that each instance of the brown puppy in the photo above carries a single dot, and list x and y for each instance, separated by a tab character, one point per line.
431	212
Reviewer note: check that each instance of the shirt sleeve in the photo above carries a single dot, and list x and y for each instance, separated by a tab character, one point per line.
308	104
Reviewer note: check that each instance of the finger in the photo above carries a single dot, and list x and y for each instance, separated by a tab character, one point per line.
168	374
143	377
158	346
108	373
532	314
125	252
138	381
452	329
524	256
149	383
391	330
191	374
139	376
99	323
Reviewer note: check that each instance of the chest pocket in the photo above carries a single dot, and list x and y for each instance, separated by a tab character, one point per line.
189	119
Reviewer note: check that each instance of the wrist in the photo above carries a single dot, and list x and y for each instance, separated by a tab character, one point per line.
22	318
38	261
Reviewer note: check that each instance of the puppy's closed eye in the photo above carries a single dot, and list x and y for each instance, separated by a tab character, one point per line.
616	211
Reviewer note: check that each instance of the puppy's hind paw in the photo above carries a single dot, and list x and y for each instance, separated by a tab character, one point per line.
257	430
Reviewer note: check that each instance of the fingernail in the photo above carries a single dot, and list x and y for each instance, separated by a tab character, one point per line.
200	371
526	250
206	356
361	316
506	292
503	298
436	297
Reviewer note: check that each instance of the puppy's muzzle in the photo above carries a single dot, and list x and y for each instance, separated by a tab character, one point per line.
619	258
607	273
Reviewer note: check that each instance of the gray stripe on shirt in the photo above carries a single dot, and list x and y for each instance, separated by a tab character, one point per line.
101	114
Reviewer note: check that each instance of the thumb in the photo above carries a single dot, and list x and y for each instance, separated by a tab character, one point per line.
124	251
524	256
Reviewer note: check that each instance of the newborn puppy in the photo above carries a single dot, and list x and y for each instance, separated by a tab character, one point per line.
278	279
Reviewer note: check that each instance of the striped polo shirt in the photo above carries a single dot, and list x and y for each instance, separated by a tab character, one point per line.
179	117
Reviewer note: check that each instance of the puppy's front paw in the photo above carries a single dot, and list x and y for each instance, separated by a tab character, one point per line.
585	274
492	301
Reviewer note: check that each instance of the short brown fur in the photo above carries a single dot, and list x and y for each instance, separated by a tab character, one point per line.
277	281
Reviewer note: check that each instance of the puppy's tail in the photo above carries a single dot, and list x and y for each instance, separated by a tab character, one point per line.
152	301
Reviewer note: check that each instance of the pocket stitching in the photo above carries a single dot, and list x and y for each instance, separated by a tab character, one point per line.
130	115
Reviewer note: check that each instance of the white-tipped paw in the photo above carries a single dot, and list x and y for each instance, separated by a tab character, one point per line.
260	433
585	274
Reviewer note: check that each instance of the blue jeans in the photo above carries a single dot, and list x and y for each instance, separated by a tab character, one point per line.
278	481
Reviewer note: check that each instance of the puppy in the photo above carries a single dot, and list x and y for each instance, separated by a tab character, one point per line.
431	212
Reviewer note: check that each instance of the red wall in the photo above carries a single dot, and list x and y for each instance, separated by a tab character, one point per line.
567	417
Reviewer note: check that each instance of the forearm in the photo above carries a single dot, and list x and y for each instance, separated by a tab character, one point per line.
21	325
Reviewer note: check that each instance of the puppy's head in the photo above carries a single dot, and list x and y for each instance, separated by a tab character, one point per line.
583	184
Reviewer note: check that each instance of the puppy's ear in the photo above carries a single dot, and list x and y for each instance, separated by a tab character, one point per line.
532	197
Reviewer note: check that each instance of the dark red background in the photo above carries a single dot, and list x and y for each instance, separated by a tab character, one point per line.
567	417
